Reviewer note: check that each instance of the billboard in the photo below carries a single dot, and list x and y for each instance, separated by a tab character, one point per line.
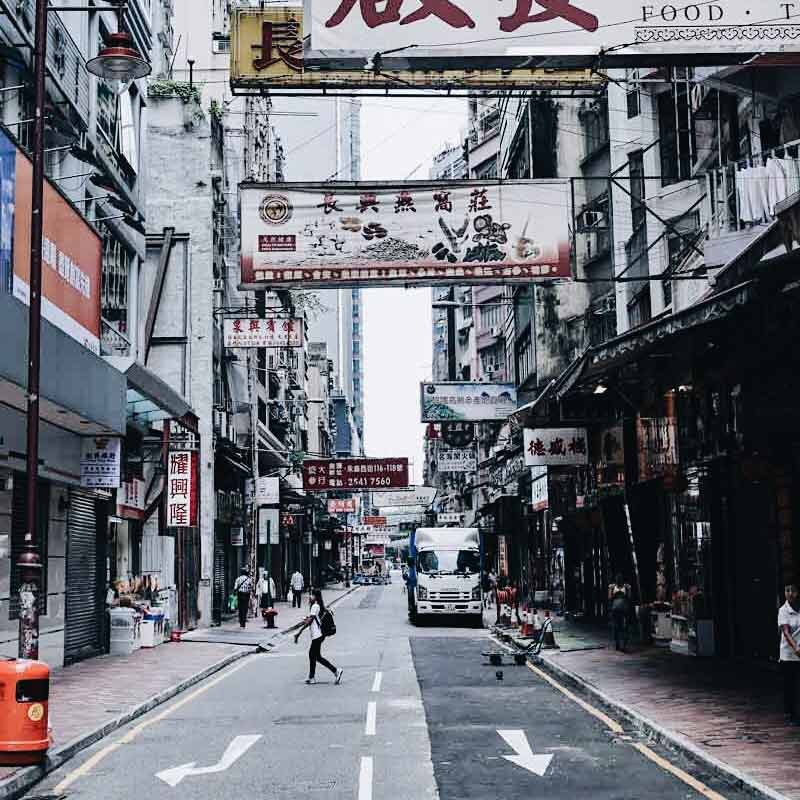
71	251
457	460
555	447
420	29
473	402
267	51
354	473
412	496
267	332
411	232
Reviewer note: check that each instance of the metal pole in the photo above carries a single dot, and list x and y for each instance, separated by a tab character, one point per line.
30	563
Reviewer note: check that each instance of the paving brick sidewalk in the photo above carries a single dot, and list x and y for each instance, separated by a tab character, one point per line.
730	711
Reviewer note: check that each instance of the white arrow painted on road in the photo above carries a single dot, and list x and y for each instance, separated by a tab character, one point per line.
235	750
525	757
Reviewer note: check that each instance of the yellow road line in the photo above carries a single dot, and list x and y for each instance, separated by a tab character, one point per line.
595	712
662	762
94	760
647	752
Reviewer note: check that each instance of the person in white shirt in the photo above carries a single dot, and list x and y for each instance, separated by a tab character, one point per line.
789	651
297	583
315	656
243	588
266	596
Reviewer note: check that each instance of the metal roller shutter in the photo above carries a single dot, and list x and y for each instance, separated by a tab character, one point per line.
82	637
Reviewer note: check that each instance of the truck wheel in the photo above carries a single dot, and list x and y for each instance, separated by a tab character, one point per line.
477	622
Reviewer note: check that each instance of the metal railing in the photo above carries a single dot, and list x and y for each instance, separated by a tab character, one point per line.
112	342
742	194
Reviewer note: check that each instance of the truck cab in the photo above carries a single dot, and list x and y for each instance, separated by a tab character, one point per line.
446	563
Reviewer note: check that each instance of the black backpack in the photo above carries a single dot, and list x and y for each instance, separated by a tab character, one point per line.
327	623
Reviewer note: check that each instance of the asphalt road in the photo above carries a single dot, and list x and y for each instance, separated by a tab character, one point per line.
417	716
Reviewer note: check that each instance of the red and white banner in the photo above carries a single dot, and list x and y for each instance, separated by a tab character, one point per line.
130	499
182	489
355	473
410	232
375	522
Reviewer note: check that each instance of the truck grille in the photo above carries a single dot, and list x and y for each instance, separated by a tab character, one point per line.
450	597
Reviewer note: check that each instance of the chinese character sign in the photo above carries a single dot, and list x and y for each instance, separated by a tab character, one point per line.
415	231
267	491
467	401
264	332
449	517
549	27
347	505
101	459
181	489
555	447
355	473
412	496
457	460
540	497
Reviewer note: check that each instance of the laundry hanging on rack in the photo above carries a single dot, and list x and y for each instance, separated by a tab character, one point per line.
759	188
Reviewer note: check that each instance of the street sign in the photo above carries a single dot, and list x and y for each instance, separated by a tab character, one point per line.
234	751
523	755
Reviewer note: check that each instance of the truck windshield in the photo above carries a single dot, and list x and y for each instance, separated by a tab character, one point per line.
449	562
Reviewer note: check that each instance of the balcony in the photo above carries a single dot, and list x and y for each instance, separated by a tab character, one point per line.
66	66
741	199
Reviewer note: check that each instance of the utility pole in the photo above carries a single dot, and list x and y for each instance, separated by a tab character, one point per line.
30	562
252	556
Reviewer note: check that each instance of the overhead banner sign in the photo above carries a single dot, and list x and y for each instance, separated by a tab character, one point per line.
267	51
72	252
457	460
355	473
412	496
181	489
264	332
347	505
101	460
414	232
550	28
473	402
555	447
540	498
375	522
267	491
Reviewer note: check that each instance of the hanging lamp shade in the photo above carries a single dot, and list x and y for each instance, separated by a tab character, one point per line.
119	60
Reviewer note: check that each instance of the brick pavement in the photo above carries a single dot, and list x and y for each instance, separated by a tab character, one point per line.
730	710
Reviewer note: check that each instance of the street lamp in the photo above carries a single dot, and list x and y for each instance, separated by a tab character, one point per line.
118	60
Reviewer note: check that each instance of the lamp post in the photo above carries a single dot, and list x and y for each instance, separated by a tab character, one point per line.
117	60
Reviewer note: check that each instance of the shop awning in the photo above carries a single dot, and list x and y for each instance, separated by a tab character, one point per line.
148	398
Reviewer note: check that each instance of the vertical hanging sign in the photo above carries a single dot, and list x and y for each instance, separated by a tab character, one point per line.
181	489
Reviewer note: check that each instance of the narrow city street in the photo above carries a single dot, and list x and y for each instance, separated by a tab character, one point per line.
419	714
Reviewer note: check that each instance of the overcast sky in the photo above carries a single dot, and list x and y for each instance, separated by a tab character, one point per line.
400	137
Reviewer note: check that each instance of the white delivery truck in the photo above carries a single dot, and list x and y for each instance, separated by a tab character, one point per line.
446	566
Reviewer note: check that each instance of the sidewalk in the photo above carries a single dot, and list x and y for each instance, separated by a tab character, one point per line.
90	700
726	713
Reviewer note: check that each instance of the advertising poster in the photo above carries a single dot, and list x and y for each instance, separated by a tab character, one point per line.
472	402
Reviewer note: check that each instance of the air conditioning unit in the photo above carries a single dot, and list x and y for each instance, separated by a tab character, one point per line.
591	219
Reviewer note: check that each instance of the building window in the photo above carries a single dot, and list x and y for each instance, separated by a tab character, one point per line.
114	284
524	351
490	317
633	98
676	129
107	110
639	310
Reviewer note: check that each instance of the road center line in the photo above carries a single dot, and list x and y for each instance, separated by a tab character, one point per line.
376	684
365	779
372	712
92	762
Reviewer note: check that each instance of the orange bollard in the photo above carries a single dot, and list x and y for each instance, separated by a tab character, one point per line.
24	697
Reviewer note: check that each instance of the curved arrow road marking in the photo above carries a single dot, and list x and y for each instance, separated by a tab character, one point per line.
525	757
234	751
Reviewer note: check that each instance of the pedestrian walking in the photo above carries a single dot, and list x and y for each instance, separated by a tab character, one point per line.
297	583
789	652
243	588
619	595
320	622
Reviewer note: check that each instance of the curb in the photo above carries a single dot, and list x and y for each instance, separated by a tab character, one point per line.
27	777
662	735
